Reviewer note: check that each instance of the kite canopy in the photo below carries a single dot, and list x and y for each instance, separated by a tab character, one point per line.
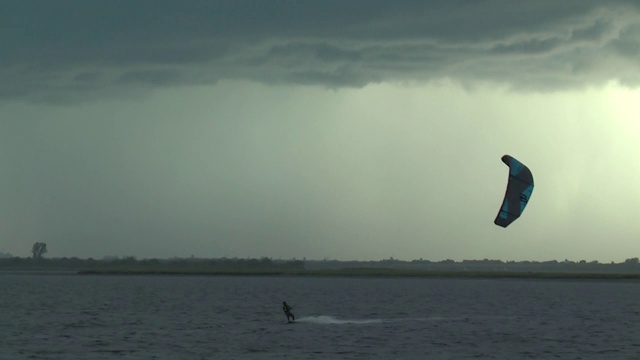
518	192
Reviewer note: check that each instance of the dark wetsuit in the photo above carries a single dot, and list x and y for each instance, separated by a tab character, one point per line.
287	311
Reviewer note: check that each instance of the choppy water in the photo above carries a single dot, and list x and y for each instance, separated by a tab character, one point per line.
180	317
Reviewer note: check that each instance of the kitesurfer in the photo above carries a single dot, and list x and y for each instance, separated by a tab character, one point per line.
287	311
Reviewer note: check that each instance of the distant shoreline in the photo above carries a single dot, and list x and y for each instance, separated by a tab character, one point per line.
378	273
467	269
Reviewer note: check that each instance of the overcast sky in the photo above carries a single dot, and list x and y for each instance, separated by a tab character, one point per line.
319	129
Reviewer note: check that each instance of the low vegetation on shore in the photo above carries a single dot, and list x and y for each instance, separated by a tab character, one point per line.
630	269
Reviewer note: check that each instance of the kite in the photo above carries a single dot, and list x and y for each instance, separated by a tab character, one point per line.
519	189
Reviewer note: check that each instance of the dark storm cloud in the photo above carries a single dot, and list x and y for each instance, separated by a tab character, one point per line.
153	77
70	49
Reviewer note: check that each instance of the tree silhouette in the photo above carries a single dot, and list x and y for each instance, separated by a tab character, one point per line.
38	249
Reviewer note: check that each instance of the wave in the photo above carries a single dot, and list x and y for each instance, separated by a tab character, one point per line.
325	319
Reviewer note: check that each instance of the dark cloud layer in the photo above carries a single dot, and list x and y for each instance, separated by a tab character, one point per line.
69	50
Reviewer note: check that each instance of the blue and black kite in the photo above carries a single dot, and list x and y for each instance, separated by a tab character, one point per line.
518	192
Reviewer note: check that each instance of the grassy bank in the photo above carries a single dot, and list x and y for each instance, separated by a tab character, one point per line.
365	272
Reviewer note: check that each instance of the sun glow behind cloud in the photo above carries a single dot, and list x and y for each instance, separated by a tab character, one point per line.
625	107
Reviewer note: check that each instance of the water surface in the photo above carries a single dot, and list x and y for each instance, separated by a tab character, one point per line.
67	316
